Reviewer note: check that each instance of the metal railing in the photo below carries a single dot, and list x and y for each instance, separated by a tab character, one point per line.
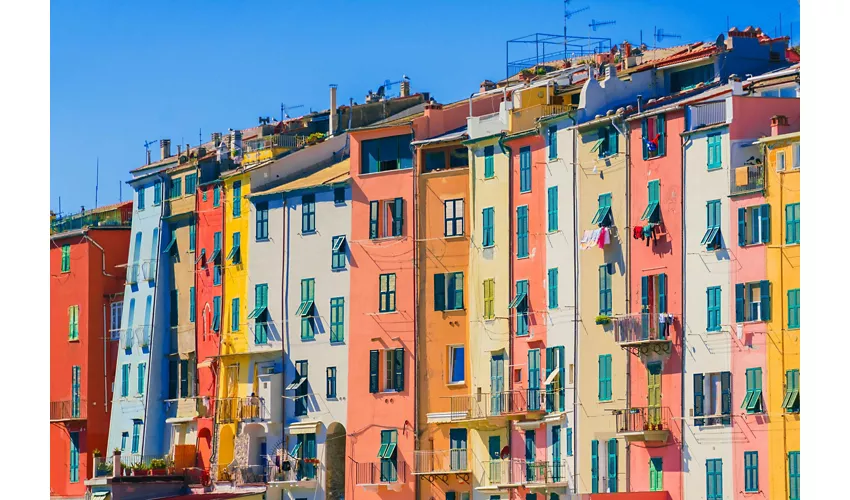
746	179
132	274
487	405
242	410
503	472
146	465
642	327
546	472
525	118
292	470
384	472
656	418
143	335
115	217
126	338
102	466
440	461
149	269
69	409
275	141
704	115
250	474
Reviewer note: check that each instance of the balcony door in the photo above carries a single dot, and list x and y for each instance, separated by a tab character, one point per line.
497	383
457	439
494	449
653	393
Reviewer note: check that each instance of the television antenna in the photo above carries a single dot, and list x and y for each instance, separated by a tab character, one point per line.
387	85
264	121
659	35
284	110
596	24
148	150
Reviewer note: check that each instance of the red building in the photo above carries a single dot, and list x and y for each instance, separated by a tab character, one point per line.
86	296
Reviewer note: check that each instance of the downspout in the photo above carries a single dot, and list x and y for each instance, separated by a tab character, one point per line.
102	254
684	140
628	156
105	371
509	374
413	229
575	296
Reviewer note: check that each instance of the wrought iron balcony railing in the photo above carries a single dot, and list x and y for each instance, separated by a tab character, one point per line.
242	410
643	328
385	472
67	410
649	424
746	179
487	405
440	461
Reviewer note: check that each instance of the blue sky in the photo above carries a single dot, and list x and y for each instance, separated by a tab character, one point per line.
122	73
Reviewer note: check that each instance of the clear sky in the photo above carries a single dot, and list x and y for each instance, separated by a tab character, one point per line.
122	73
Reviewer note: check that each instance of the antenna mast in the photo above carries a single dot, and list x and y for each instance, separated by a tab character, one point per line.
96	181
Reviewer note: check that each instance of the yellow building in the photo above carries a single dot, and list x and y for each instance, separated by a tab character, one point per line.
782	182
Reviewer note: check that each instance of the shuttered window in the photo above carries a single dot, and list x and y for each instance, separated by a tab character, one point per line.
714	153
552	207
605	389
751	471
713	308
488	235
525	169
522	231
66	258
386	294
489	292
792	223
489	170
553	142
237	199
552	282
337	319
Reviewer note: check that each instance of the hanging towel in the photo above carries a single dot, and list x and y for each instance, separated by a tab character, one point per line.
585	238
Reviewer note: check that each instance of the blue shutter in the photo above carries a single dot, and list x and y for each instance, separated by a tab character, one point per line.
765	223
374	209
594	466
644	293
439	292
399	369
699	399
612	465
764	290
662	293
739	303
398	216
661	130
742	227
643	135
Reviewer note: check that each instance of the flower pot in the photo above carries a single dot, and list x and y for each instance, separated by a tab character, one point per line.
159	472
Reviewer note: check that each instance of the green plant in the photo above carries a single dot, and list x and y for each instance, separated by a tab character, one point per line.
603	319
116	451
158	463
315	136
540	70
96	452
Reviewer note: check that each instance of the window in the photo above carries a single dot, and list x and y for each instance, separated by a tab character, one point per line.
792	223
656	474
337	319
530	455
234	314
331	382
654	137
157	193
757	220
594	466
791	401
456	364
688	78
569	441
796	152
66	256
752	301
714	479
216	196
780	161
751	471
262	226
387	454
488	235
74	323
125	380
216	322
794	308
522	231
712	392
605	293
192	235
235	254
308	213
176	188
338	253
453	210
556	453
603	217
137	430
652	213
489	169
75	391
489	292
237	199
552	281
140	378
306	309
715	159
191	182
174	312
606	142
300	386
458	158
553	142
170	248
612	465
392	363
711	238
260	313
435	160
339	196
448	292
555	367
388	153
752	400
605	392
520	305
386	295
140	195
793	475
215	258
125	436
533	379
115	310
386	218
305	449
713	311
525	169
74	438
552	206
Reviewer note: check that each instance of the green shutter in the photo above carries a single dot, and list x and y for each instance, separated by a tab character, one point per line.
740	314
661	130
489	172
594	466
742	227
553	142
644	293
553	287
399	369
764	290
398	217
612	465
699	399
192	300
439	292
643	135
765	223
234	314
726	397
374	362
662	293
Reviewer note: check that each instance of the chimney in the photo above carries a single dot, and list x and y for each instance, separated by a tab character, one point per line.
778	125
148	151
736	85
486	85
627	49
187	148
216	139
332	117
178	150
164	148
404	88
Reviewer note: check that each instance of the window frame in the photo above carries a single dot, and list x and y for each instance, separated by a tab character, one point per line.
454	220
337	319
791	401
308	214
489	162
552	142
452	350
606	294
389	293
792	225
525	169
236	211
552	209
330	385
714	151
714	295
522	231
489	285
713	214
338	259
261	224
605	386
552	285
751	471
753	402
66	258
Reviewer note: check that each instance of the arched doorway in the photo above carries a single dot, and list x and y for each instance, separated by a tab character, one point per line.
335	457
204	448
225	450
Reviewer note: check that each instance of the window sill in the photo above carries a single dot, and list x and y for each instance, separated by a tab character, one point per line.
713	168
656	157
488	246
523	257
387	312
553	231
260	240
308	233
338	269
525	192
393	171
713	332
387	238
454	237
795	244
454	385
77	340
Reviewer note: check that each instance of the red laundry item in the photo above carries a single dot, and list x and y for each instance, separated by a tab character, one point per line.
637	231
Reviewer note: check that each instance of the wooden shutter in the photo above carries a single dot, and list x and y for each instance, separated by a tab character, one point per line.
662	293
399	369
612	140
643	135
661	130
398	216
742	227
739	303
374	362
439	292
644	293
699	399
374	207
726	397
765	223
764	290
612	465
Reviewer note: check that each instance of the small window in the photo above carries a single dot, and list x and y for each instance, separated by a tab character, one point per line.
338	252
603	217
652	212
522	231
752	301
793	475
552	208
453	210
235	255
339	196
192	232
157	193
456	364
386	298
713	308
780	161
435	160
605	293
752	400
712	397
656	474
306	309
714	479
552	282
489	292
237	199
74	323
654	137
337	319
448	292
66	257
711	239
176	188
794	309
525	169
115	310
605	387
714	152
553	142
140	198
754	225
331	382
520	305
386	153
488	234
191	183
216	196
751	471
308	213
391	363
459	158
386	218
606	142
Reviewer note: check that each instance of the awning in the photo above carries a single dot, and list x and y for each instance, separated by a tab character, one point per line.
295	384
386	450
305	427
596	145
171	244
305	308
517	301
215	254
234	254
295	450
257	312
601	214
709	236
100	495
650	211
551	377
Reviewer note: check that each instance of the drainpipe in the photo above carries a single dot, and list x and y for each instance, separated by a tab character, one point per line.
102	253
575	294
105	371
413	229
628	285
684	139
510	377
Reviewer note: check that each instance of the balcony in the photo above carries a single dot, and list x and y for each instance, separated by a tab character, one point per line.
516	472
441	462
189	409
491	407
546	473
96	217
133	274
385	474
295	473
746	179
526	118
649	425
266	148
644	333
142	333
486	125
233	410
68	410
149	269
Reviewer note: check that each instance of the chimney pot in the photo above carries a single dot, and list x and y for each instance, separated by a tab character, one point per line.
332	116
164	148
404	88
778	125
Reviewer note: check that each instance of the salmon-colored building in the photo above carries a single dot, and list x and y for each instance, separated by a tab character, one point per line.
86	296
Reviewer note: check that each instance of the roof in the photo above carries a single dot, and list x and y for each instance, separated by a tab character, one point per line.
336	173
211	496
457	134
693	51
781	137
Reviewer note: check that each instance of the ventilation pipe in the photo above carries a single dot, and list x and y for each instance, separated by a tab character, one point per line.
332	116
164	148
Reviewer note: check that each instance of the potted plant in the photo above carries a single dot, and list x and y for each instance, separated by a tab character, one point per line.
117	451
526	74
96	453
603	319
158	467
103	469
